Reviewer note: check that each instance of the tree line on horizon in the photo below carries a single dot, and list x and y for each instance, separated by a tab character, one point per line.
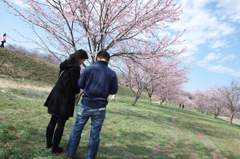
219	100
32	53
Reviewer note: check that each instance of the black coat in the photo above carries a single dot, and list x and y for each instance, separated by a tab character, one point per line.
61	100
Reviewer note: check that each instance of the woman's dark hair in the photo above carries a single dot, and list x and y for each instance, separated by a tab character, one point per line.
4	34
75	57
103	55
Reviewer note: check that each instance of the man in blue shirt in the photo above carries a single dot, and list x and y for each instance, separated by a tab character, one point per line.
98	81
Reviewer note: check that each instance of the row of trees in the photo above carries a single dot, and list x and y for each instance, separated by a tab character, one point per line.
222	100
163	77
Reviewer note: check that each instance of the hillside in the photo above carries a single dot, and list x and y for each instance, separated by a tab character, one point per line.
19	66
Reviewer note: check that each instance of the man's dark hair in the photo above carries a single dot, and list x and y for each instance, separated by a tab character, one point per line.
103	55
80	54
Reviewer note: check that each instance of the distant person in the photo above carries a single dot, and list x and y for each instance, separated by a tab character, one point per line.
61	100
183	106
180	105
3	40
97	82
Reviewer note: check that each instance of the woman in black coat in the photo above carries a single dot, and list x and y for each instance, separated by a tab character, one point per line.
61	100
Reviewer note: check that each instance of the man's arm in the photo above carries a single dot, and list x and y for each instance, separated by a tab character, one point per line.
114	85
82	79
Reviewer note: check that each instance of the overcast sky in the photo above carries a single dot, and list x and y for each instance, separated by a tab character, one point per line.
212	38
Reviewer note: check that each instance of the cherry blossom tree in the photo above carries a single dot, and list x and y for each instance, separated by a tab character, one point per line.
217	100
214	101
157	70
200	101
135	77
186	99
168	90
150	62
161	69
95	24
159	75
230	97
171	83
181	97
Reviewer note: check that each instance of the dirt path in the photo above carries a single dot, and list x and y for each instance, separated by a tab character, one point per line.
4	83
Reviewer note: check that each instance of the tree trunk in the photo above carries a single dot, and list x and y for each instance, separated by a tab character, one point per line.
231	118
216	113
161	101
150	99
135	100
138	94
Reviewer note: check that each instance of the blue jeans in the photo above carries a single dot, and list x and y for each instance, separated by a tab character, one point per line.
97	118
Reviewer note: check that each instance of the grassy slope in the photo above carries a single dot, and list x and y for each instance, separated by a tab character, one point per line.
129	132
17	65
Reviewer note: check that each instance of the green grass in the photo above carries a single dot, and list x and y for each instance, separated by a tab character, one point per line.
140	131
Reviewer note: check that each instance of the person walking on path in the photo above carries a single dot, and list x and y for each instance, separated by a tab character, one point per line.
98	81
3	40
61	100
